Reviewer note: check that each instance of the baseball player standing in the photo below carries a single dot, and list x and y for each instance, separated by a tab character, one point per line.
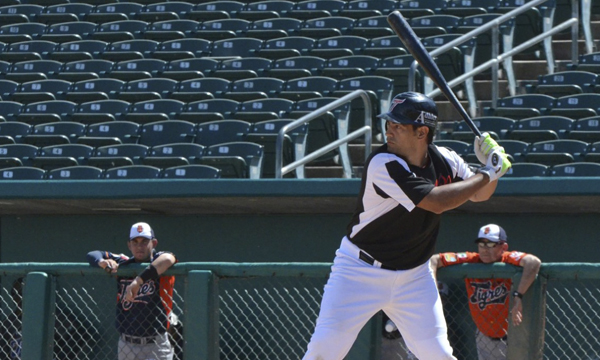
144	302
489	298
383	261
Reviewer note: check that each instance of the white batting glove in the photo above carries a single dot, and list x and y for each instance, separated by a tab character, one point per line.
484	145
496	165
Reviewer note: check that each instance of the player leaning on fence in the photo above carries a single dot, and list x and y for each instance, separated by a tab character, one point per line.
489	298
143	302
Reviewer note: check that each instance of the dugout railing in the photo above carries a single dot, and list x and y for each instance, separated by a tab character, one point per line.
267	311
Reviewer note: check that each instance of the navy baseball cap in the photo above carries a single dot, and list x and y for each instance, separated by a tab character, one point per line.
412	108
493	233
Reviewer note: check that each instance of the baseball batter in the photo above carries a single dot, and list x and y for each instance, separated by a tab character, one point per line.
144	302
489	298
383	261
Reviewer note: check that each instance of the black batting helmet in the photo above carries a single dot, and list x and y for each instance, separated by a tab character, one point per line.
412	108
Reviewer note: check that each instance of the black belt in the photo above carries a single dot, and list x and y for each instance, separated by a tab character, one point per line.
369	260
138	340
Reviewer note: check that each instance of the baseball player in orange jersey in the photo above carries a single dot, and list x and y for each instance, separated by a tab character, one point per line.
489	298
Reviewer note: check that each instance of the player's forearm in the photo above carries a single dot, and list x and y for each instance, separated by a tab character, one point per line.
93	257
163	263
451	196
485	193
531	266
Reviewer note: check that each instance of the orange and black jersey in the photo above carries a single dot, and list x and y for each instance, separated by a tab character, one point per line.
387	224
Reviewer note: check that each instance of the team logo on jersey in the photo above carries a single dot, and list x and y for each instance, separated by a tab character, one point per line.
449	258
143	295
443	180
462	255
485	294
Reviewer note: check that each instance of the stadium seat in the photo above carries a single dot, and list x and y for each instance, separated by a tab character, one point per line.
281	48
221	131
565	83
498	127
588	62
126	132
586	129
555	152
130	50
132	172
527	170
593	152
273	27
201	89
371	26
113	10
112	156
189	151
28	50
244	68
22	32
69	31
337	46
137	69
5	66
541	128
467	8
324	27
79	50
64	155
94	90
297	67
148	89
26	12
577	106
120	30
576	169
214	30
9	110
65	12
8	88
17	154
47	111
382	6
385	47
460	147
14	130
515	148
79	172
255	88
229	7
180	49
433	25
236	47
185	69
264	109
22	173
32	70
101	111
311	9
523	106
163	11
41	90
415	8
280	7
350	66
235	159
144	112
167	132
309	87
85	70
192	172
209	110
72	130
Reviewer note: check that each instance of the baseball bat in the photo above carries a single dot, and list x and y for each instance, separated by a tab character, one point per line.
414	45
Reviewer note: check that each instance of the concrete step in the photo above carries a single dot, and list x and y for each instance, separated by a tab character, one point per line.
562	48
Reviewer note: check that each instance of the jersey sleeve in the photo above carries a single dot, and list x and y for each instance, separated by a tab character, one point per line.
450	258
460	168
159	253
93	257
513	257
391	176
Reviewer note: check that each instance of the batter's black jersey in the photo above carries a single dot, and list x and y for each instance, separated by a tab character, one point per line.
387	223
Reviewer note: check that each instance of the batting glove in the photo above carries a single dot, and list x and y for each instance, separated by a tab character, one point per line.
496	165
484	145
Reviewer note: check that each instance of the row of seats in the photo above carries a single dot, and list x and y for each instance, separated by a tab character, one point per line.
239	159
550	152
308	9
529	105
538	128
570	170
186	91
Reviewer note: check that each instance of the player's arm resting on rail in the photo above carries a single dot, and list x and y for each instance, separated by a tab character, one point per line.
531	267
161	264
103	259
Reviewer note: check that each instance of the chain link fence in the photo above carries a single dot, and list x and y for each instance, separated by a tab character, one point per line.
272	317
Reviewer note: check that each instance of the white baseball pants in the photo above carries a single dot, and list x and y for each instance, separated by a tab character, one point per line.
356	291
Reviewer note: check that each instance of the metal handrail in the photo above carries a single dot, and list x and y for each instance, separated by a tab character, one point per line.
280	170
493	25
486	65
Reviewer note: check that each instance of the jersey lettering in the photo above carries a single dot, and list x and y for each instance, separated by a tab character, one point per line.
485	294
